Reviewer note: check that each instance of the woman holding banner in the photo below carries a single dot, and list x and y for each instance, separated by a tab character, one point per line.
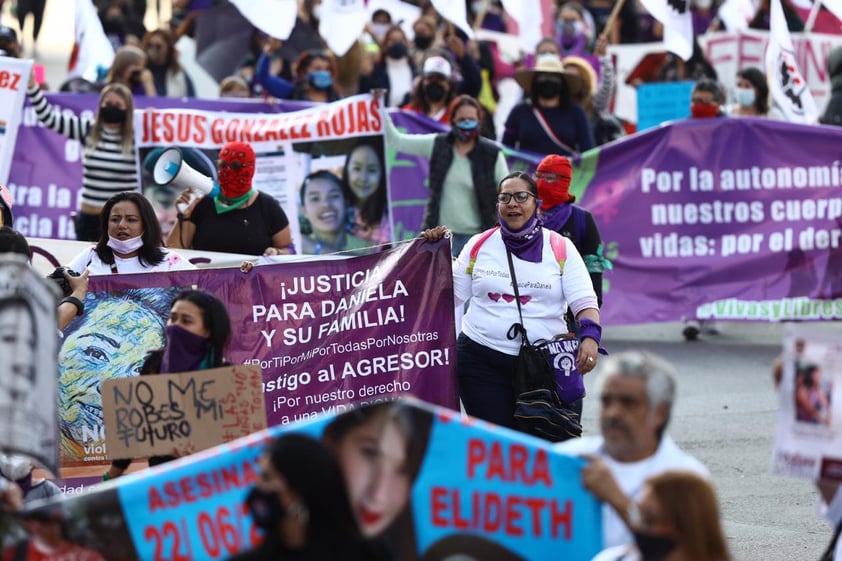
197	331
464	170
485	355
109	160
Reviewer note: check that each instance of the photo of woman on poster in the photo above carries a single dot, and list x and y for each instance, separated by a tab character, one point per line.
364	177
381	449
812	399
324	216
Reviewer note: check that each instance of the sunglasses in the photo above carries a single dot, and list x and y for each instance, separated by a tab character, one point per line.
520	196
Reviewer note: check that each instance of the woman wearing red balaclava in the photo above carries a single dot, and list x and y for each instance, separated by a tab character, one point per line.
235	218
559	214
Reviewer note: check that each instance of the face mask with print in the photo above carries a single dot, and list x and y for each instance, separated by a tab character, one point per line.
466	130
745	96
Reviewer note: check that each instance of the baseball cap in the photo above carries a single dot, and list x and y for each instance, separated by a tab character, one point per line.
8	33
437	65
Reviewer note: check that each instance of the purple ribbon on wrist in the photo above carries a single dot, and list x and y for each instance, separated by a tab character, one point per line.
590	328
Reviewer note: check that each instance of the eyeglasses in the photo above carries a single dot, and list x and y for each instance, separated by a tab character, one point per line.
548	176
520	197
233	165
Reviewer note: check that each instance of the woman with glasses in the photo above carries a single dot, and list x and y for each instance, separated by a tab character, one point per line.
464	171
485	354
236	217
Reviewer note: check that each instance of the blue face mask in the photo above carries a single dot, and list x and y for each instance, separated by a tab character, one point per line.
320	79
745	96
466	130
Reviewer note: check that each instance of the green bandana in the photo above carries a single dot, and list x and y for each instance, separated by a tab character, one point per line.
224	204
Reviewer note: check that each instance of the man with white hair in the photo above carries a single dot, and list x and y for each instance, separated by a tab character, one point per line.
636	391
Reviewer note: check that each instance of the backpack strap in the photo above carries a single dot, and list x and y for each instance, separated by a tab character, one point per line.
559	246
557	243
475	249
579	225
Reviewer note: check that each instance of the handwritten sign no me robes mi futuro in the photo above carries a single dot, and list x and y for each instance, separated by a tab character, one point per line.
148	415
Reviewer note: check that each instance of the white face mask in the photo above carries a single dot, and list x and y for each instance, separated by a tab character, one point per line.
15	466
703	4
317	11
125	246
745	97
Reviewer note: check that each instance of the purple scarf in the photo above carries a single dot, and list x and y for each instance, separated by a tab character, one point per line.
557	216
526	243
184	352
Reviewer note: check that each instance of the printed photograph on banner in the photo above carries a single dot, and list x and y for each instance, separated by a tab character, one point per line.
344	197
808	437
111	339
27	351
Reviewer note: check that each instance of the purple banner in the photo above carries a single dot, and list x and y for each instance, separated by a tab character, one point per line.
328	333
735	219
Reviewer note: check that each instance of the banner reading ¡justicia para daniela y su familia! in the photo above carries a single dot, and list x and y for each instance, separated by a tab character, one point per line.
327	333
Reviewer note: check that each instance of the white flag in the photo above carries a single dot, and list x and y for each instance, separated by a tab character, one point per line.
92	49
789	90
275	18
736	14
834	7
342	23
530	19
456	13
675	16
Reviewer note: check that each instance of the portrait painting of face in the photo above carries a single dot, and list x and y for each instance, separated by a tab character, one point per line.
111	340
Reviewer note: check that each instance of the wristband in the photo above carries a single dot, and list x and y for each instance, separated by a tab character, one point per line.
80	306
181	218
590	328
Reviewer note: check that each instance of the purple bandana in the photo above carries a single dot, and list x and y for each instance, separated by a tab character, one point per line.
184	352
557	216
526	243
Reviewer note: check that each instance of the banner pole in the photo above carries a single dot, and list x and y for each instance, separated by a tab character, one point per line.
609	23
811	18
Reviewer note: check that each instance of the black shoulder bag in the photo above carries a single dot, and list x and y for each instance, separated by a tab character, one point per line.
538	409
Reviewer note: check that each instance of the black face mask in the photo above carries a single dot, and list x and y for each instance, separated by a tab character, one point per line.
547	89
654	548
114	26
397	51
434	92
112	114
265	508
423	42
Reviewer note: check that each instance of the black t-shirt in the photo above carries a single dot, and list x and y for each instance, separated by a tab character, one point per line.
246	230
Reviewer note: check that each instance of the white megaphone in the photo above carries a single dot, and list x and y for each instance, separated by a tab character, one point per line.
171	169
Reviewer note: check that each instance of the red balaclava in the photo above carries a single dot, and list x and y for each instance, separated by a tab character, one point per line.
557	192
236	169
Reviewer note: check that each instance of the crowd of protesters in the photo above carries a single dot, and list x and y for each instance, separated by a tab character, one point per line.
567	87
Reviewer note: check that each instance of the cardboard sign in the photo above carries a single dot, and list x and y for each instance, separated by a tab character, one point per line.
147	415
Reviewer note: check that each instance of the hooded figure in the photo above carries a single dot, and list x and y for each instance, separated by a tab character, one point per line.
833	112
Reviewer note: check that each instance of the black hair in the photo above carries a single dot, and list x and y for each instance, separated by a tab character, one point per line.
313	473
12	241
374	206
710	86
380	12
151	252
215	319
758	81
522	175
321	174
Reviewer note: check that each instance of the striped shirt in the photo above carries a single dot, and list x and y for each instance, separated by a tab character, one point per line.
106	169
